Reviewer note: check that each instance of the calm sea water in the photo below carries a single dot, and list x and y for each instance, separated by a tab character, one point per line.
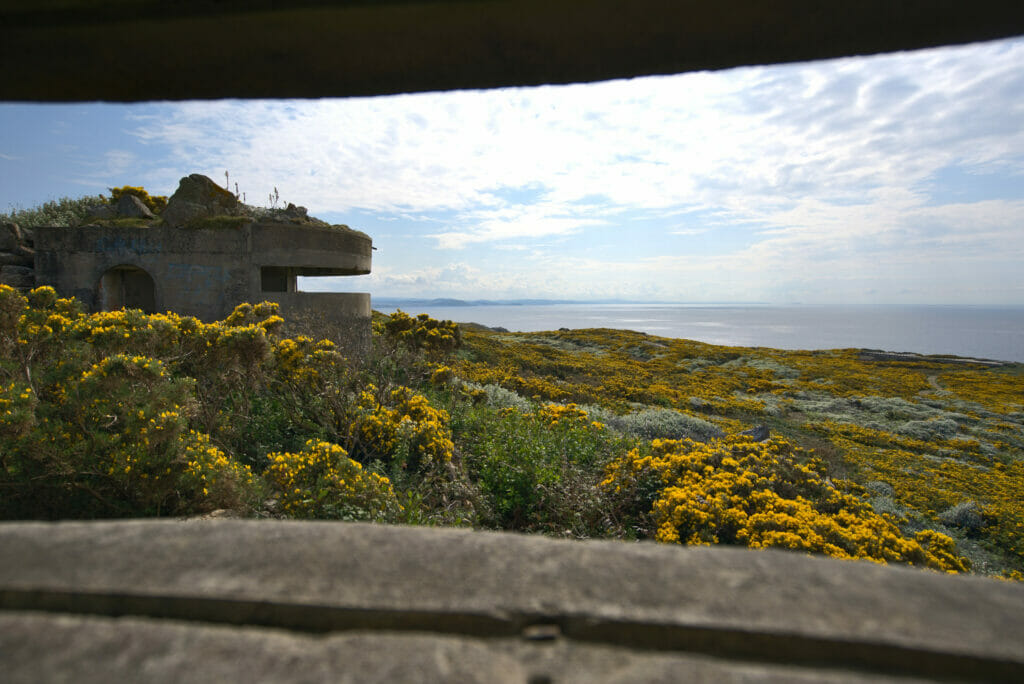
991	333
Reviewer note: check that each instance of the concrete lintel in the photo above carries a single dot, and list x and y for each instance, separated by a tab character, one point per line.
129	50
312	250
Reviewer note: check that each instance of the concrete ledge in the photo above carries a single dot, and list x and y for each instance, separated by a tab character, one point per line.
730	607
59	50
314	250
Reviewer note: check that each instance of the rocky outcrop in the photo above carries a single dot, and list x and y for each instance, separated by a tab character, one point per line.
20	277
761	433
17	258
104	212
10	236
199	197
131	206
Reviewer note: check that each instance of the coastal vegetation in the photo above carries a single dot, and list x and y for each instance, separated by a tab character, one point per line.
579	434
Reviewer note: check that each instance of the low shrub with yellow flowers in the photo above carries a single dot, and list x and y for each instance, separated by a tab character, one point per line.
422	332
108	438
321	481
565	414
761	495
98	412
156	203
403	430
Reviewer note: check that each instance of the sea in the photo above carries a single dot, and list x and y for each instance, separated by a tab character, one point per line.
969	331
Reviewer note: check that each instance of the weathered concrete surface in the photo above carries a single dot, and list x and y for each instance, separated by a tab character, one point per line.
36	647
89	50
199	272
593	611
342	317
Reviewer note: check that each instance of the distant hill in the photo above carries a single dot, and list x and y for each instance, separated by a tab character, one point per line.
409	302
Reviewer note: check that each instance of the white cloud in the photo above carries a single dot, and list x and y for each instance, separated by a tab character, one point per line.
828	168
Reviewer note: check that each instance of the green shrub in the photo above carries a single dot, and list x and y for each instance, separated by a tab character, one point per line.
498	397
657	423
965	515
63	212
535	474
929	430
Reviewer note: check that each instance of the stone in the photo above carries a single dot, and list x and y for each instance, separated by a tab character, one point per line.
130	206
20	277
296	212
199	197
21	257
104	212
761	433
10	237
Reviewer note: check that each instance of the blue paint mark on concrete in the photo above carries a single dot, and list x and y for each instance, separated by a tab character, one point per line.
123	243
195	276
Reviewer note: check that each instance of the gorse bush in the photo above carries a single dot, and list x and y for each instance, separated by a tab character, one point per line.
156	203
95	428
122	413
321	481
423	333
761	495
405	429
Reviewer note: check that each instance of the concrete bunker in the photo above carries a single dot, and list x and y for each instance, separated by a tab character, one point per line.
126	287
203	260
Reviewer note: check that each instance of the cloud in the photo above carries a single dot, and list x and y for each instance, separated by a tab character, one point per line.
826	129
515	223
750	183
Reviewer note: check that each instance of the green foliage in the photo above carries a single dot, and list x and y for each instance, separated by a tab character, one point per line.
658	423
108	433
63	212
533	473
218	222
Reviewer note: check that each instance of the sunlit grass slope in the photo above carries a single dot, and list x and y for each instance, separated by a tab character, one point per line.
590	433
930	444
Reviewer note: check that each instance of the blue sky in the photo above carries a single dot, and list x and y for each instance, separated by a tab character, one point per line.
882	180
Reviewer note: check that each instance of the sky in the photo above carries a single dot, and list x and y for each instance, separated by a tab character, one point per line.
892	179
